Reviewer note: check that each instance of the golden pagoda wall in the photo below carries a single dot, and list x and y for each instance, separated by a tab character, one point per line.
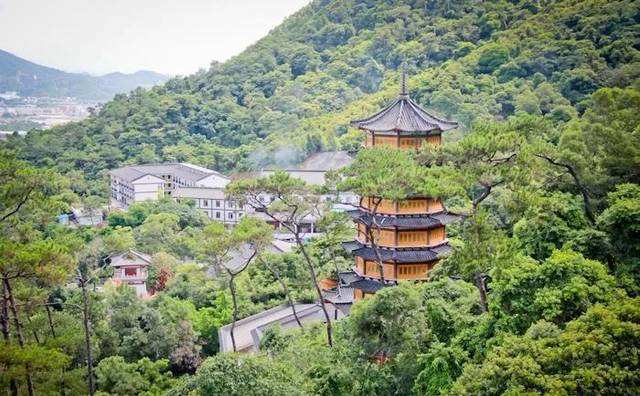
404	207
394	272
403	142
392	238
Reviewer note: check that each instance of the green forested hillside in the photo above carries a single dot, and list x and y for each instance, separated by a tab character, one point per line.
298	87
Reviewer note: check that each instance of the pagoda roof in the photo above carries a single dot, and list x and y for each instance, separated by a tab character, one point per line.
354	281
397	255
420	221
341	295
404	115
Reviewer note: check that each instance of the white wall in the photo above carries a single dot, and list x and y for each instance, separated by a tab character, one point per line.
148	188
213	181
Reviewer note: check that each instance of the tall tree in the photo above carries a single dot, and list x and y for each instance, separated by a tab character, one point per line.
233	250
377	174
293	204
486	158
28	199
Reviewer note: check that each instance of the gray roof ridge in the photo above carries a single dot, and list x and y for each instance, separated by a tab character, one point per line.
376	115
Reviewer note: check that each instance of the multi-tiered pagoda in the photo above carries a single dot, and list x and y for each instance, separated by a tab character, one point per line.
410	234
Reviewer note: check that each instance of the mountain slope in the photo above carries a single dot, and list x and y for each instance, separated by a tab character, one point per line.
30	79
294	91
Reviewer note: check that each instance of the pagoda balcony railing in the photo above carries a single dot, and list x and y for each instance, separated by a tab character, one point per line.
131	278
409	272
382	245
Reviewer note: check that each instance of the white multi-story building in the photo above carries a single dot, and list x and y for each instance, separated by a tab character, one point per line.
181	181
213	202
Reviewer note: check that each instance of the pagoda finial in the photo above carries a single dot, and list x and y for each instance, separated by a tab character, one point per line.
403	91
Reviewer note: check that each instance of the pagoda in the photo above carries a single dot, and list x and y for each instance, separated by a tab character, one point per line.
410	234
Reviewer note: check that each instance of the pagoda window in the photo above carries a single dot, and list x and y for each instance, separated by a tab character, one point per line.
372	268
434	205
436	236
369	140
130	271
435	140
391	141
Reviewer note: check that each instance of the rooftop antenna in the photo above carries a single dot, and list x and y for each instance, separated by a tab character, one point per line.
403	87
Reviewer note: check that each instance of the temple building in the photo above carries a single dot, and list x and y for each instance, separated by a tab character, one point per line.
131	268
410	234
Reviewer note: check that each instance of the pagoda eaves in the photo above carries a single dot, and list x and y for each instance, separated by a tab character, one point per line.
404	116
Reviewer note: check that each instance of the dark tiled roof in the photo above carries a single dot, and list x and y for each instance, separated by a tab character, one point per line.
404	115
346	278
350	246
399	255
356	281
442	250
128	173
367	285
183	170
412	221
342	295
446	217
326	161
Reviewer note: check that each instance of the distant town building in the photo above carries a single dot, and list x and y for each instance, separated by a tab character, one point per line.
86	216
80	216
131	268
213	202
313	172
181	181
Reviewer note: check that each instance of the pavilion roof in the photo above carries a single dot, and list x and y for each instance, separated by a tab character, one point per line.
397	255
415	221
404	115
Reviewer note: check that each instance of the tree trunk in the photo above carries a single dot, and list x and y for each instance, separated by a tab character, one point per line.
33	330
285	289
478	200
312	272
6	334
50	320
4	316
374	244
482	288
588	210
232	288
16	321
86	321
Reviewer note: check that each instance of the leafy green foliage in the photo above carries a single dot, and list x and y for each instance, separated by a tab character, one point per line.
294	91
233	374
557	290
577	359
144	377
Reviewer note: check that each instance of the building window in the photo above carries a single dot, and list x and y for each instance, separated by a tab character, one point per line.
239	215
205	202
217	204
230	215
130	271
217	215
